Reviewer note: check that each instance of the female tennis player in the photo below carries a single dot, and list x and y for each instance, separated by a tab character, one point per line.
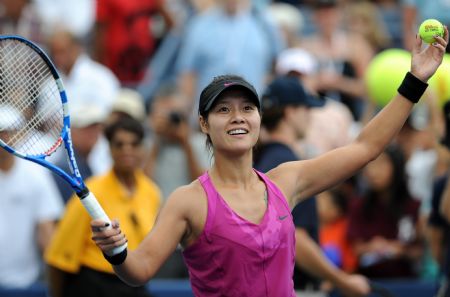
234	223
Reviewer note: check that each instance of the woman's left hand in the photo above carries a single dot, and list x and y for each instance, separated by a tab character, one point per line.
426	60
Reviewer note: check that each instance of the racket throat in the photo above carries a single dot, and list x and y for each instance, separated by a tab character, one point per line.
83	193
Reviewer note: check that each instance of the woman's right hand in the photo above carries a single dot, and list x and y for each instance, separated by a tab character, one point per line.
106	237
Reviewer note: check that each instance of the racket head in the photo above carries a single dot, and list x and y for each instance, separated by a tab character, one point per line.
33	106
34	117
32	99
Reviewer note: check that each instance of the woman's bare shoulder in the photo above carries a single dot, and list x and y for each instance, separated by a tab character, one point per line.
193	189
189	203
188	195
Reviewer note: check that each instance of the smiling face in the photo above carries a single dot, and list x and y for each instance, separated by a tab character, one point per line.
233	123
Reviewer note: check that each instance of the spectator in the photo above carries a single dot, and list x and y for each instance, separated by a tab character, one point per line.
123	37
289	19
329	127
128	103
439	228
75	15
383	226
87	82
391	16
424	163
363	19
286	108
86	130
341	72
162	67
416	11
439	218
417	141
173	145
239	40
76	266
20	17
332	208
30	207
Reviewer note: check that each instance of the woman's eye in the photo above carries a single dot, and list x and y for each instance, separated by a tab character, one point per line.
249	107
223	109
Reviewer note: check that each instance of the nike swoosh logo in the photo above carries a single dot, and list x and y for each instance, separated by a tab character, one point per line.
282	217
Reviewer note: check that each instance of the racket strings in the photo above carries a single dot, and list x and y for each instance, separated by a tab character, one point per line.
24	83
16	76
28	87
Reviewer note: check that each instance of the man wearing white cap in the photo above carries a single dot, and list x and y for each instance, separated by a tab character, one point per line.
90	148
331	126
128	103
30	205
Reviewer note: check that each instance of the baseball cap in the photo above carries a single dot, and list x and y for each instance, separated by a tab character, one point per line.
10	118
288	90
221	83
130	102
82	116
295	59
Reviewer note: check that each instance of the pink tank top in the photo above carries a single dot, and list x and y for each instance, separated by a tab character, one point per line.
236	258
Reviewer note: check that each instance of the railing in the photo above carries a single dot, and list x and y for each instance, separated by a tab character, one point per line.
182	288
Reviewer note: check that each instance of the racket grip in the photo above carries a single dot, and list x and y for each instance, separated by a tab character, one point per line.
97	213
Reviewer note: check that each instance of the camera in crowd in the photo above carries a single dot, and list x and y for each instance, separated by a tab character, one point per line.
176	118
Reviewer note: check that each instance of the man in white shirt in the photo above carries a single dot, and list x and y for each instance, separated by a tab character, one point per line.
87	82
29	207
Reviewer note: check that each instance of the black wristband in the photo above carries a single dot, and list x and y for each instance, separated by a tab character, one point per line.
116	259
412	88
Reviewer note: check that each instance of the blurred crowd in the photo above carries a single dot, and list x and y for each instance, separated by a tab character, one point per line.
133	71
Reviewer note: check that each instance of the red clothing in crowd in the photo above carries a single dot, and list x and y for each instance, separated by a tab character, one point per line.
334	235
128	41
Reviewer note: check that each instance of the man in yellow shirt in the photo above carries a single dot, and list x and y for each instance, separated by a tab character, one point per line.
76	266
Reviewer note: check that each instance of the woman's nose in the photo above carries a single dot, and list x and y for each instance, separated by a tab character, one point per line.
237	116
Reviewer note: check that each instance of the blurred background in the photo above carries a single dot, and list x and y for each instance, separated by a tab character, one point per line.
148	60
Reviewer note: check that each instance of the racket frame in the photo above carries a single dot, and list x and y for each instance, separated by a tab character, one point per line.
76	181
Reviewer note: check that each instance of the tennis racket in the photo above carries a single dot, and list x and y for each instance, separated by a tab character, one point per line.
35	112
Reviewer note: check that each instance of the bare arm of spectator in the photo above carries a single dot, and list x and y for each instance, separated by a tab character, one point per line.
45	232
311	259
